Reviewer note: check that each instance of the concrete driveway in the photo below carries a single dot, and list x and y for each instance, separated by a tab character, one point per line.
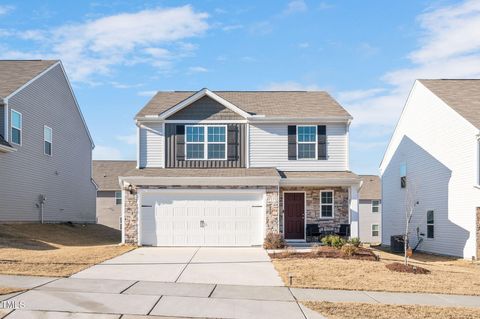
228	266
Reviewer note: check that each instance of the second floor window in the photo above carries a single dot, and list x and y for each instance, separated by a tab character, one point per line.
206	142
306	142
430	224
375	206
47	140
16	131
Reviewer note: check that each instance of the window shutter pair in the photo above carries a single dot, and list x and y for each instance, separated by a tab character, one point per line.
232	142
321	140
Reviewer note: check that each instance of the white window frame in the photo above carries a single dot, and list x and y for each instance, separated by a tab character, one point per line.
44	140
316	143
332	204
206	142
431	224
378	230
118	198
18	128
378	206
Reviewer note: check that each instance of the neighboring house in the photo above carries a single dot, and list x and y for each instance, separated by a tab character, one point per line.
370	209
45	146
226	168
434	159
109	193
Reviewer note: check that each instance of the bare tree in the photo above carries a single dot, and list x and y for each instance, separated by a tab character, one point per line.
410	203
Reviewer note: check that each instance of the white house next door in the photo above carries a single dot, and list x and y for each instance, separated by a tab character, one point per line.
201	217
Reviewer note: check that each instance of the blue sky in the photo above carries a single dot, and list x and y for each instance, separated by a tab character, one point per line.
365	53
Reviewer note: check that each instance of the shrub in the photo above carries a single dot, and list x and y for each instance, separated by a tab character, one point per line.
274	241
355	241
333	241
349	249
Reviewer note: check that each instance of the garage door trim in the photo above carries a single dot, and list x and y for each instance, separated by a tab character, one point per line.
142	192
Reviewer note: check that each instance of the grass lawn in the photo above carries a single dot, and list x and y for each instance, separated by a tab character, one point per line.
448	275
8	290
56	249
375	311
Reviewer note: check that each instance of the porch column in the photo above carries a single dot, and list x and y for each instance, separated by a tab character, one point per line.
354	230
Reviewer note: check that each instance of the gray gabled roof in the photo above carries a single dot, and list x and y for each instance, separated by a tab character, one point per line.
15	73
298	104
203	172
105	173
463	96
371	187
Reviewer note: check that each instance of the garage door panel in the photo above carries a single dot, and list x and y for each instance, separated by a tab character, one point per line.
230	219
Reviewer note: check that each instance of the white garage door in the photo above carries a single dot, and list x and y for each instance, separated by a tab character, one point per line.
201	218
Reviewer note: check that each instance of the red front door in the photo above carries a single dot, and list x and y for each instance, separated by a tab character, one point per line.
294	210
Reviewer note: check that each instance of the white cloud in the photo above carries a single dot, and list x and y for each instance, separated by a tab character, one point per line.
304	45
106	153
5	9
128	139
197	69
147	93
248	59
295	6
118	85
232	27
290	86
96	46
449	48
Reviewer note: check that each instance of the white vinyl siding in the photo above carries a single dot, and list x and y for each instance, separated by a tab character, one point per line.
151	146
367	218
439	148
268	145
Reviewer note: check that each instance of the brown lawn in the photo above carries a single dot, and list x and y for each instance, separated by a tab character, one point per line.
376	311
8	290
56	249
448	275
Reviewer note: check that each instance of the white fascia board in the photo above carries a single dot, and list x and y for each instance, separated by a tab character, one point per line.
199	95
201	181
306	181
324	119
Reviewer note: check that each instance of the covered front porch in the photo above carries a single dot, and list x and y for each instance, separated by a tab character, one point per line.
317	204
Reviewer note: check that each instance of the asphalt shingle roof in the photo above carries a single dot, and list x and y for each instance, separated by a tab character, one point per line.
463	96
105	173
371	187
203	172
269	103
15	73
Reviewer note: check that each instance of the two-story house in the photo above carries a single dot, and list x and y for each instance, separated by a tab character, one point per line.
45	146
370	209
225	168
432	167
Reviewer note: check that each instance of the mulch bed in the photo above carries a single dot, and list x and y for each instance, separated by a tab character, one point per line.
327	252
399	267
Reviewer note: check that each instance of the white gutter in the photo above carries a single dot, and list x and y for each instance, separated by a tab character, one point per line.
201	181
254	119
312	181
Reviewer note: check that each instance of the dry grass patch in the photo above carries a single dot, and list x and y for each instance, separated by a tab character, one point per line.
375	311
448	275
56	249
8	290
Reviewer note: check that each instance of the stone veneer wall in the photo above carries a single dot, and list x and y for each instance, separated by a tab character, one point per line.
341	205
131	207
478	233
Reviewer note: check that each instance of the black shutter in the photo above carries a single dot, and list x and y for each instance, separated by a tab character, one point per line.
180	142
292	142
232	142
322	142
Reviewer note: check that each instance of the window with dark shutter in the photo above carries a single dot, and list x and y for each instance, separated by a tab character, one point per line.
322	142
292	142
180	142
